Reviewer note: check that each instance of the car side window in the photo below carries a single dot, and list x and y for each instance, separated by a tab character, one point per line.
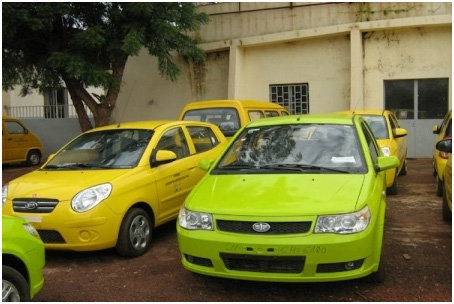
174	140
271	113
371	143
203	138
255	114
15	128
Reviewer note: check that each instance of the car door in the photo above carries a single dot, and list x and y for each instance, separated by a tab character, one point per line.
16	141
173	180
401	143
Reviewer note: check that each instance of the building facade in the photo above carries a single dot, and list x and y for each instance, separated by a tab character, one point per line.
311	57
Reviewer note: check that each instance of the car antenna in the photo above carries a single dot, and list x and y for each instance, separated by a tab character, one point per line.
127	102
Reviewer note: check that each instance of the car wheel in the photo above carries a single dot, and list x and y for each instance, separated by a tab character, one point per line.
403	171
447	213
380	274
393	189
33	158
14	286
135	233
439	187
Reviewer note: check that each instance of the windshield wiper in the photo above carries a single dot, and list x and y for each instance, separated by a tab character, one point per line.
300	167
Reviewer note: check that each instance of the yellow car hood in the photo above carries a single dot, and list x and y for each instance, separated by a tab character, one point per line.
276	194
60	184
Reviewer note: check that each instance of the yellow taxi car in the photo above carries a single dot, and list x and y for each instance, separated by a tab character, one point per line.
442	131
391	139
19	144
445	145
110	186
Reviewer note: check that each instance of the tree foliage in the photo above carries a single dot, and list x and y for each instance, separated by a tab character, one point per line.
82	44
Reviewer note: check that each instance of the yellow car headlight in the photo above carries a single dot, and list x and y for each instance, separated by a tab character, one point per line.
195	220
90	197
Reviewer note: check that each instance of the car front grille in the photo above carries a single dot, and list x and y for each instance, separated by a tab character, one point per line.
51	237
258	263
277	228
34	205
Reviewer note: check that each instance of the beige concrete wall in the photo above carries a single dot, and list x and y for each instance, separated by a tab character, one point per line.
324	63
147	95
343	51
407	53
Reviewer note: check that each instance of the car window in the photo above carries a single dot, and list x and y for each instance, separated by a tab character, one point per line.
203	138
378	125
296	148
374	149
255	114
15	128
225	118
103	149
174	140
270	113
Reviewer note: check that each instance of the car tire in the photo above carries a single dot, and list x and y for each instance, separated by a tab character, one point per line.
14	286
403	171
393	190
447	213
439	187
135	233
33	158
380	275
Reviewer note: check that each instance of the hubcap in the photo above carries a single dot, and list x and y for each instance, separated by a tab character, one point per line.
9	292
139	232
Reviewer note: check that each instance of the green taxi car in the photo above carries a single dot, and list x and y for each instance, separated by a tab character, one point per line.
23	260
291	199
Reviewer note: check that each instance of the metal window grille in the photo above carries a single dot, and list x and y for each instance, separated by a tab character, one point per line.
294	97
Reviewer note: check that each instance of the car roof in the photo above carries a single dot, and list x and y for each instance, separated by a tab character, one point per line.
244	102
369	112
149	124
345	119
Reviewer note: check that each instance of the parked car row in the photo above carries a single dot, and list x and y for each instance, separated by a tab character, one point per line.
442	163
279	200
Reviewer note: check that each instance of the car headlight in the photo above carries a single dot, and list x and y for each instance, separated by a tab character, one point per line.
195	220
386	151
90	197
4	193
30	229
344	223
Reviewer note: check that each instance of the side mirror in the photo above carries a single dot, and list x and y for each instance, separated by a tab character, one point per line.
444	145
386	162
161	157
400	132
205	164
436	129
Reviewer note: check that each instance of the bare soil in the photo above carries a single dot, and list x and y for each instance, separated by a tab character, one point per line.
418	248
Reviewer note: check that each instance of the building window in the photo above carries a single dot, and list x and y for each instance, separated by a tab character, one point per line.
294	97
426	97
55	103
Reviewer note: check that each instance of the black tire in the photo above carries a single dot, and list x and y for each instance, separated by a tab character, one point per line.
15	287
134	237
439	187
404	169
447	213
393	190
380	275
33	158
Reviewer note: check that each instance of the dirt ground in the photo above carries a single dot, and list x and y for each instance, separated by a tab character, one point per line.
418	246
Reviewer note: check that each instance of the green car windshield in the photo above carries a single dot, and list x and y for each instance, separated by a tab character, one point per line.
295	148
103	150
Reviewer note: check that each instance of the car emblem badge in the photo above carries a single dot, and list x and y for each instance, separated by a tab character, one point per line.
31	206
261	227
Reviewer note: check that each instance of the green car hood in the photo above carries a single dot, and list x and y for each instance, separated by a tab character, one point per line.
61	184
276	194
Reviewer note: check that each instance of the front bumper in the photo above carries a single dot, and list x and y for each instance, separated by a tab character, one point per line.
297	258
